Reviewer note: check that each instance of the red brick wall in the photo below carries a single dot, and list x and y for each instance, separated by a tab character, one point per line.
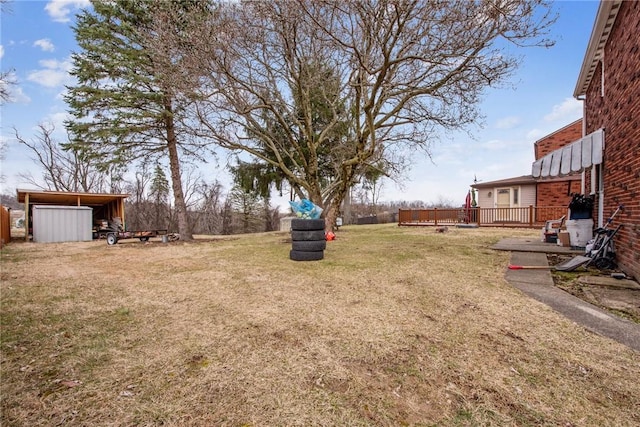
556	193
618	112
559	139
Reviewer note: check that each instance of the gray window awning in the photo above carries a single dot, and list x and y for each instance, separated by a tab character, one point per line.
572	158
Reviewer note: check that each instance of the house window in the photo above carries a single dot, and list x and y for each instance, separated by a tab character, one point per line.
515	196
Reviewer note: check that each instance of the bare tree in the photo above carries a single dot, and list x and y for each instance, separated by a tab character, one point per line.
207	214
406	72
3	153
7	78
69	170
246	207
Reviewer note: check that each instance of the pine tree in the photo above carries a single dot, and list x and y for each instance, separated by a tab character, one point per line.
159	195
130	100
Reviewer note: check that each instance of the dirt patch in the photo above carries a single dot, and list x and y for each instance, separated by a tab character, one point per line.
621	300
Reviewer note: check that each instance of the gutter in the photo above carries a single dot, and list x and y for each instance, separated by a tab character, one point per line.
606	16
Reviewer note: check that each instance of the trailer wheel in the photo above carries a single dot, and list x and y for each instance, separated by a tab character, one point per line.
144	239
112	239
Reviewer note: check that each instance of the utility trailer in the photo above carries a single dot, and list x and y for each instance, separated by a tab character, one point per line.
114	236
113	231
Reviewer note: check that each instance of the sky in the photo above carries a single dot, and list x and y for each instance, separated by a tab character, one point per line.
37	41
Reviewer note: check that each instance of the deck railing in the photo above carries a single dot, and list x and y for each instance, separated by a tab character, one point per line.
531	216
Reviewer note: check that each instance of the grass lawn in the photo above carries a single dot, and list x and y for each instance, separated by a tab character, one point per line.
396	326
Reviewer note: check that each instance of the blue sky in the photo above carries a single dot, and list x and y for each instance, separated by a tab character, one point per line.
37	41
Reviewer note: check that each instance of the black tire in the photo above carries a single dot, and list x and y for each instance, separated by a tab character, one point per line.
298	224
309	245
144	239
306	255
112	239
307	235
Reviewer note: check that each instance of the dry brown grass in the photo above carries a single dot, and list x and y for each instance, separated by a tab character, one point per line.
396	326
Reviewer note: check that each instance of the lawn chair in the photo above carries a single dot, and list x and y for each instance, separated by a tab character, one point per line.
551	228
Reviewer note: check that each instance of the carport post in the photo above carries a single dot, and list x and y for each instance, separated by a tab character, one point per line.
26	217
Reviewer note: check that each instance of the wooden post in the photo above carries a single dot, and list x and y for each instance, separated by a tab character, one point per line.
120	203
26	217
531	211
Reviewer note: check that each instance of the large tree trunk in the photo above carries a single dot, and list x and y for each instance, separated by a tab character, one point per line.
176	180
330	215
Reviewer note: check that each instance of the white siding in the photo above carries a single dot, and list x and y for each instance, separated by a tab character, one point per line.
528	197
486	197
62	223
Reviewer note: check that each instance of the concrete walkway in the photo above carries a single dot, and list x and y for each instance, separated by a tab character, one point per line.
538	284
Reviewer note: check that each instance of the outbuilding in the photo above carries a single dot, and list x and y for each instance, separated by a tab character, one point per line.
62	216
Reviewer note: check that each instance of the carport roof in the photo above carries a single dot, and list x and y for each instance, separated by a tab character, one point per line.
68	198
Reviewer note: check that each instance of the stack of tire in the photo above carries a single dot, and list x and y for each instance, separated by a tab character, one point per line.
308	240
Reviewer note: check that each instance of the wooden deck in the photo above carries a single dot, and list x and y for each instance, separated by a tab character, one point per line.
529	217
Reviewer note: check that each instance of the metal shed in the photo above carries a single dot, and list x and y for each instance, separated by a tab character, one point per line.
62	223
104	207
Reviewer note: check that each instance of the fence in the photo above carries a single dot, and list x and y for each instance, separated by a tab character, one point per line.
530	217
5	226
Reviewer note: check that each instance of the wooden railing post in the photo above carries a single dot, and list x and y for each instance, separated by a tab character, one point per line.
531	211
435	216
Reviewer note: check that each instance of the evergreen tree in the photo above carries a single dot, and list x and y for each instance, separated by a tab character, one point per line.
246	206
159	194
130	101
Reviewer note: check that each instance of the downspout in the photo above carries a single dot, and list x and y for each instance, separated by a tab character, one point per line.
601	192
596	187
600	188
584	133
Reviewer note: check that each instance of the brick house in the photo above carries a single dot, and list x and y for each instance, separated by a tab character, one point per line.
526	190
557	191
608	153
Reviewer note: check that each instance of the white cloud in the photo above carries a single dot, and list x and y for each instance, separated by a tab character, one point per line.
59	10
496	144
1	51
536	134
570	109
58	119
508	122
10	85
18	96
55	73
45	45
